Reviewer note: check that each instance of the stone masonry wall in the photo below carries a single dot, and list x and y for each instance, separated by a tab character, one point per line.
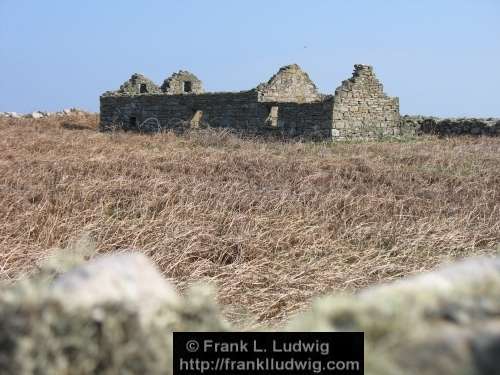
153	112
362	109
238	111
306	120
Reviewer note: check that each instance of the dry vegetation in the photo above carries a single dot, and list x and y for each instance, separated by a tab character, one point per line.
272	224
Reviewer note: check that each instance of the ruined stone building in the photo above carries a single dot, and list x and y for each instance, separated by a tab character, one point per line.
288	105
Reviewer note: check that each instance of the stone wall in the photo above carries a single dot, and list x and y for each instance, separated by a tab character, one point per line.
238	111
417	125
153	112
362	109
306	120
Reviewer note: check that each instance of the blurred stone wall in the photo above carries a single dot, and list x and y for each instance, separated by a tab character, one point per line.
116	314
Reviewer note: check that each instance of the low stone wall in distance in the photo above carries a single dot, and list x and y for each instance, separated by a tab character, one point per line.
419	125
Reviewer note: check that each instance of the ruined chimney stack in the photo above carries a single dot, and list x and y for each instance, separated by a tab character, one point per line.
362	70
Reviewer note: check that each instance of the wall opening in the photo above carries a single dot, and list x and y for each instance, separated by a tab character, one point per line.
143	88
132	122
187	86
272	118
196	119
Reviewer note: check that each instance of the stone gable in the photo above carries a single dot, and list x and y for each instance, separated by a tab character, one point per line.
182	82
291	84
361	108
138	84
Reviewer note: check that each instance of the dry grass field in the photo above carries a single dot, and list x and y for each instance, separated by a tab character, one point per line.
271	224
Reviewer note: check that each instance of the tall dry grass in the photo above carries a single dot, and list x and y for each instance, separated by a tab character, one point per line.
271	224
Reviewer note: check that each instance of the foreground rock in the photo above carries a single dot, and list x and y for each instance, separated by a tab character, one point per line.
115	314
127	279
112	315
445	322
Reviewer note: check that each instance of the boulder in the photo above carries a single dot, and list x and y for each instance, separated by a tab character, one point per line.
35	115
112	315
128	279
442	322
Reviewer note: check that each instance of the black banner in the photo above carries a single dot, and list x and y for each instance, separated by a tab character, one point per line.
280	353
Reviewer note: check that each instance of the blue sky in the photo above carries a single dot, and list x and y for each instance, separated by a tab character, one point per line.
441	57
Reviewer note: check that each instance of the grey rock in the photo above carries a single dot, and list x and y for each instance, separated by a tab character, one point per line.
10	114
441	322
127	278
35	115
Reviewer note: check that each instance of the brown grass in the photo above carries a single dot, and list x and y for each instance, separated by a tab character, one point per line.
271	224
